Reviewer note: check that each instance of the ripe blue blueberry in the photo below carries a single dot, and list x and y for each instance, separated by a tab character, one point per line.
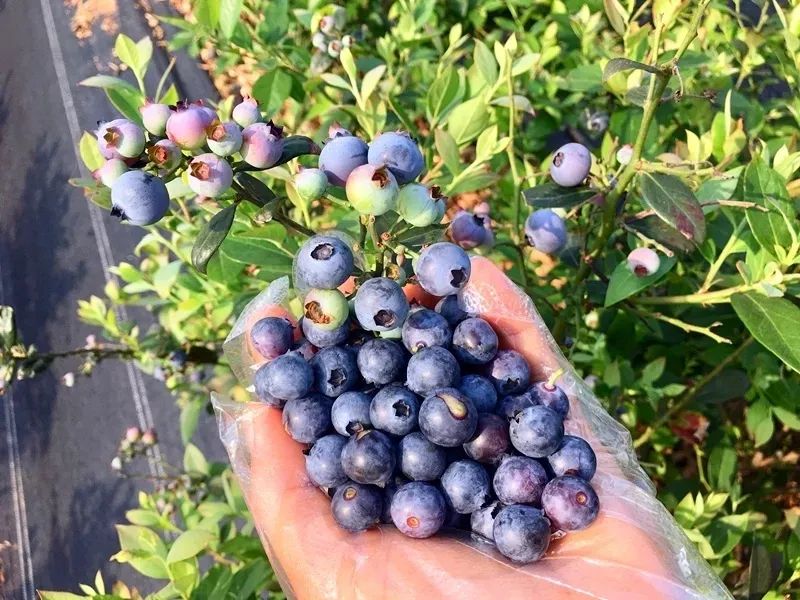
381	361
421	459
546	231
467	230
490	442
341	155
570	503
482	520
260	384
350	413
418	509
324	461
380	304
571	164
369	457
395	410
389	490
474	341
271	337
521	533
448	418
310	184
400	153
419	205
550	396
140	198
335	370
442	269
519	480
509	372
431	369
323	338
509	406
288	377
481	391
425	328
372	190
357	507
466	486
323	262
573	457
327	309
536	431
450	309
307	419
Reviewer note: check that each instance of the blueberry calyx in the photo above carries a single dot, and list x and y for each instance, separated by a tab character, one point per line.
323	252
558	159
401	408
385	318
314	311
116	211
337	377
458	277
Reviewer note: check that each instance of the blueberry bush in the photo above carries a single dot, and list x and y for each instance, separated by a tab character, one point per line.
669	274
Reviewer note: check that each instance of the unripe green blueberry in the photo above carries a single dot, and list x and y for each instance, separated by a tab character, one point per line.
110	171
155	116
166	155
210	175
419	205
372	190
327	309
120	138
311	184
224	139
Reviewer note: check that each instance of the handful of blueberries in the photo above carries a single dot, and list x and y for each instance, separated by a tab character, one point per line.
415	416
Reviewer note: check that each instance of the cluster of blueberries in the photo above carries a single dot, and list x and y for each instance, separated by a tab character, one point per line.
329	39
415	416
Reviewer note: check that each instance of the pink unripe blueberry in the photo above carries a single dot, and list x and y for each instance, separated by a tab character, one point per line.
210	175
372	190
149	437
209	113
311	184
120	138
482	209
110	171
420	206
154	117
187	127
165	155
643	262
334	48
246	112
262	144
571	164
132	434
224	139
327	24
624	154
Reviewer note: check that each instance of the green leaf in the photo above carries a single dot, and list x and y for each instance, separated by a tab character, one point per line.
467	120
135	55
674	202
184	575
190	543
762	574
766	188
190	415
211	237
448	149
584	78
44	595
127	102
624	283
653	227
443	94
774	323
140	540
484	60
421	236
296	145
107	82
194	461
256	190
617	15
145	518
272	89
229	13
617	65
349	65
370	81
552	195
722	467
476	181
207	12
638	95
90	153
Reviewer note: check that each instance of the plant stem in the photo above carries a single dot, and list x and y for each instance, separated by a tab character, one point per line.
512	161
723	255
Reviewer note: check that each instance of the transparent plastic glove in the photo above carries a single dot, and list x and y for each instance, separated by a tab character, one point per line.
634	549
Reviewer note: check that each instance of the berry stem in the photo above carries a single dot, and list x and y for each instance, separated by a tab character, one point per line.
512	161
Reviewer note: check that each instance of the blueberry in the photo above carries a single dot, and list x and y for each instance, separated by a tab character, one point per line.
260	383
643	262
467	230
519	480
287	377
139	197
323	338
450	309
546	231
490	441
448	418
110	171
389	490
395	410
420	459
271	337
224	139
571	164
474	341
509	372
341	155
570	503
246	112
335	370
350	413
372	190
357	507
307	419
380	304
324	461
482	520
327	309
466	486
186	126
573	457
210	175
418	509
419	205
425	328
550	396
536	431
120	138
431	369
521	533
262	144
442	269
509	406
400	153
154	117
165	155
324	262
369	457
310	184
381	361
481	391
